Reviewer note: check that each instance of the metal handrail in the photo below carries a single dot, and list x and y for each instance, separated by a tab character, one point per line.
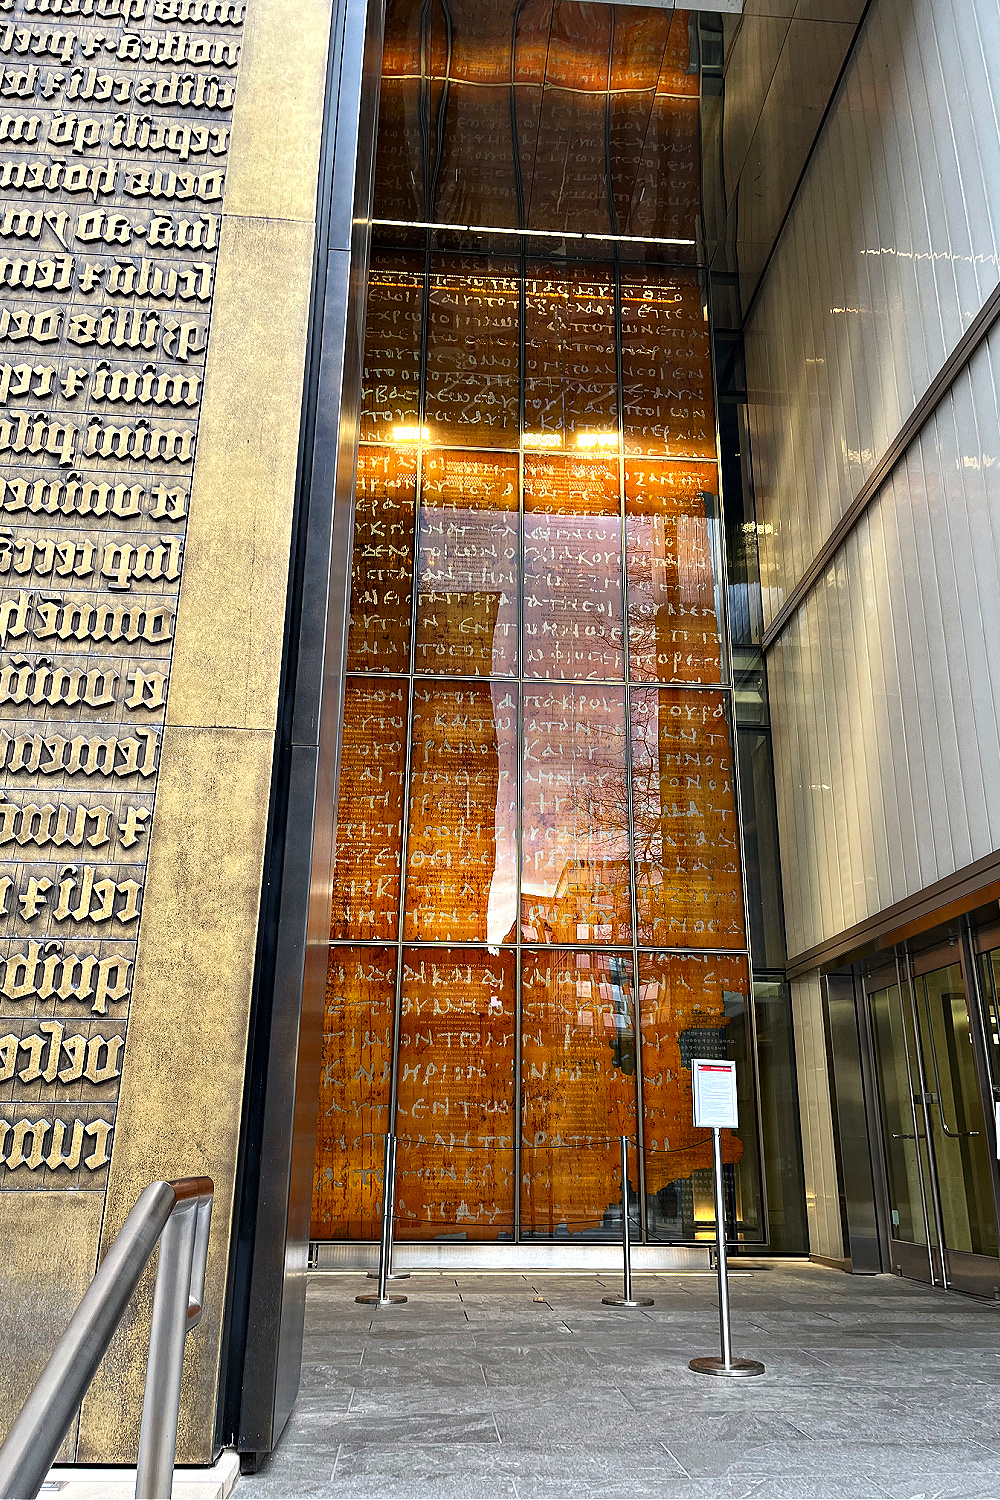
181	1213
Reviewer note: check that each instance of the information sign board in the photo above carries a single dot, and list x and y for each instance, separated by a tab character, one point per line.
714	1089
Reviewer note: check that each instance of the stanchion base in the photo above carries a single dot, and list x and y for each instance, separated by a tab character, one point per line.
621	1302
376	1301
392	1276
713	1365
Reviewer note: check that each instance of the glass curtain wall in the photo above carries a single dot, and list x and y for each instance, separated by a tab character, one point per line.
538	915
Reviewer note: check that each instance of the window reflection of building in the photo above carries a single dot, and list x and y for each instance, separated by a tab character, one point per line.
537	781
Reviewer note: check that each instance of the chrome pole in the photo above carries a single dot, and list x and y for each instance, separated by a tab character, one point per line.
626	1299
383	1297
626	1241
726	1365
389	1167
721	1264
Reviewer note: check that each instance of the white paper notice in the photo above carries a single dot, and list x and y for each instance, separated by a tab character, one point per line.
714	1089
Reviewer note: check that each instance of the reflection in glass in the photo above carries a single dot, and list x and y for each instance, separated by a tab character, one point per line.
390	391
455	1103
473	354
693	1006
666	367
686	844
760	848
461	861
673	624
370	810
578	1093
788	1230
467	569
961	1153
575	870
382	562
902	1126
570	368
525	415
355	1079
572	568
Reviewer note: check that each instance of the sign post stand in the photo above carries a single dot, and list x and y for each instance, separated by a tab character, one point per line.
714	1087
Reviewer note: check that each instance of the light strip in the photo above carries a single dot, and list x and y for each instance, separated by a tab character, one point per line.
548	234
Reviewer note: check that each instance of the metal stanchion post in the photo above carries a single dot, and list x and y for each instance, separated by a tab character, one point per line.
626	1299
390	1274
383	1297
710	1365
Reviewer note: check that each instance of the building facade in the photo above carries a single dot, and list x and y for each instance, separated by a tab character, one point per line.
500	598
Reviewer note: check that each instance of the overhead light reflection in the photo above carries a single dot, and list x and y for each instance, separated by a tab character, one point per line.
597	440
411	434
546	234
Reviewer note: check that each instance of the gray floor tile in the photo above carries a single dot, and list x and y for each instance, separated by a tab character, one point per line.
873	1388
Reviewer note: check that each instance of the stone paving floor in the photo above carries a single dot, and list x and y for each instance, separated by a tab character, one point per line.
476	1389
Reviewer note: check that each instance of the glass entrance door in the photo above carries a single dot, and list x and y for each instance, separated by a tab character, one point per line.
929	1047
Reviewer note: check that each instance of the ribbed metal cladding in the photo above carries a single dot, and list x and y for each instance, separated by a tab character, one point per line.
884	687
889	252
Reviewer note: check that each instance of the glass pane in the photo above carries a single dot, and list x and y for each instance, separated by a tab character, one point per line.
577	1092
637	56
694	1006
455	1099
398	172
666	367
990	970
467	579
461	859
382	564
390	400
788	1230
370	810
961	1150
569	186
666	196
760	849
575	869
570	370
354	1090
572	569
688	888
475	183
893	1043
472	354
673	626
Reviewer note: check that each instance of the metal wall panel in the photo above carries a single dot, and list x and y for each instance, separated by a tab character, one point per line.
884	686
888	253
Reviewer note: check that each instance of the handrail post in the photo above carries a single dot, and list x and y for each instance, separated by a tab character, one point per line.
179	1272
181	1212
626	1299
383	1297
